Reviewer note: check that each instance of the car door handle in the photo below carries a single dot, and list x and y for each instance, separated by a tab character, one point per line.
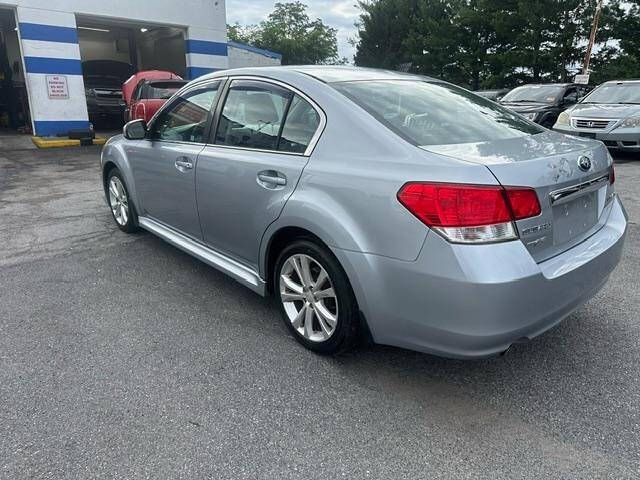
183	163
269	179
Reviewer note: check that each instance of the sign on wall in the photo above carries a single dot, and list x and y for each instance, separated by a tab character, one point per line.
57	87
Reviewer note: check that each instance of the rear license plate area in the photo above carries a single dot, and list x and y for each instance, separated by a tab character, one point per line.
573	218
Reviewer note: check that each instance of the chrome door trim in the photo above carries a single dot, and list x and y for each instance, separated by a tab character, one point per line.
241	273
314	105
566	194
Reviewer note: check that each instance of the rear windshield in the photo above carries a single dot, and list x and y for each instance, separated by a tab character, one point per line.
435	113
162	91
622	93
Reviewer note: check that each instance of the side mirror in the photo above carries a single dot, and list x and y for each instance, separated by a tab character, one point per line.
135	130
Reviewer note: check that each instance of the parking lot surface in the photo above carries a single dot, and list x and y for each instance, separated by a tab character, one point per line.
122	357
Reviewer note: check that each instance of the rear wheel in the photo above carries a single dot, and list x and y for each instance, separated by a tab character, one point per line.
315	298
122	209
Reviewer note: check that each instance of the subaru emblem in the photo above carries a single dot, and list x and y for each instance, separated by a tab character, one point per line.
584	163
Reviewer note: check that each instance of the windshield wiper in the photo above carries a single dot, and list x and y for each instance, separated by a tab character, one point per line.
523	101
627	103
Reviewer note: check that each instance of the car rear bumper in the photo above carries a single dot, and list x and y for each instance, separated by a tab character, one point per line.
614	139
465	301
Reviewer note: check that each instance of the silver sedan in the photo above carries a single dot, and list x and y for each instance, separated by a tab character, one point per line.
374	204
610	113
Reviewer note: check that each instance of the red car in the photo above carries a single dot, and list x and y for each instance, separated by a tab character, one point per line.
145	92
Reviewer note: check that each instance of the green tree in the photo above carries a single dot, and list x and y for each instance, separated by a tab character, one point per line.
488	44
382	30
289	31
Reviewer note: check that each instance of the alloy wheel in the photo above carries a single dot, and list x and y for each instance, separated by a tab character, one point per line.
118	201
308	297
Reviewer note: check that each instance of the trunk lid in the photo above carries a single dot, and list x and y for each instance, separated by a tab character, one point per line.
572	198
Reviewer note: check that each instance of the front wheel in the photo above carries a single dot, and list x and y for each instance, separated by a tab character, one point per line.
315	298
122	209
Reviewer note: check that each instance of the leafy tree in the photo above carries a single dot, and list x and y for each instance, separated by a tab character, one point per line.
382	28
488	44
289	31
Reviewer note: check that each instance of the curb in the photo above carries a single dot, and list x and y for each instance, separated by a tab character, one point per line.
42	142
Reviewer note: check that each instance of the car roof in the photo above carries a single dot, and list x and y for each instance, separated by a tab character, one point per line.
631	80
547	85
323	73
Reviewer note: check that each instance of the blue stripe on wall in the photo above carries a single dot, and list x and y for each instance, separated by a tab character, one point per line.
195	72
205	47
60	66
51	128
48	33
261	51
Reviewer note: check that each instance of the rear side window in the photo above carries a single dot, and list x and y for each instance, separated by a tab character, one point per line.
435	113
252	115
299	127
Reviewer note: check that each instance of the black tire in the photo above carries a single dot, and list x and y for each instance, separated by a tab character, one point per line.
131	225
346	330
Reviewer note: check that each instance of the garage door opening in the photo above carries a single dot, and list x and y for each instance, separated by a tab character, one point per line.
113	51
14	103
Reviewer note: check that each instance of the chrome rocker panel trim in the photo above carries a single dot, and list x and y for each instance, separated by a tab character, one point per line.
235	270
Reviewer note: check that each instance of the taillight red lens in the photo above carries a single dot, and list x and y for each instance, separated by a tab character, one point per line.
612	175
524	202
453	205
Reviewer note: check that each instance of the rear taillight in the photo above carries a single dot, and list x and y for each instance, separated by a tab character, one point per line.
524	202
470	213
612	175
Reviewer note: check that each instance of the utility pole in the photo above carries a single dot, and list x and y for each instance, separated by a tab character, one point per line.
592	37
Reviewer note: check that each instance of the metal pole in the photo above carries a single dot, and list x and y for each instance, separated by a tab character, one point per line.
592	37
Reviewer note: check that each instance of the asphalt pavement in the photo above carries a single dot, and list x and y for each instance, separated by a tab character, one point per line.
122	357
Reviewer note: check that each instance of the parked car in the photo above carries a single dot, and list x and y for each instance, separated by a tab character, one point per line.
103	88
151	95
542	103
610	113
148	92
495	95
374	201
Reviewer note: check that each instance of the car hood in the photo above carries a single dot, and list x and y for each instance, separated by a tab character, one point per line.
527	107
512	150
604	110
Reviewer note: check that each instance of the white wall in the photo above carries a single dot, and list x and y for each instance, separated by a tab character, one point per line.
206	15
239	58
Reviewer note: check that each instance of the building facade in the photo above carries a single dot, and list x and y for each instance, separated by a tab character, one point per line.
187	37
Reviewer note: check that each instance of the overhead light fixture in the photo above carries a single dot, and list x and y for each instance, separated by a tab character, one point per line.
94	29
144	30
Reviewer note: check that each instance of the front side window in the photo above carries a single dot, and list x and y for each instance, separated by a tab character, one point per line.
299	127
252	115
571	96
436	113
187	118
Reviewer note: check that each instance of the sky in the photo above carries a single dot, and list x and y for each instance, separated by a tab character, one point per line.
339	14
